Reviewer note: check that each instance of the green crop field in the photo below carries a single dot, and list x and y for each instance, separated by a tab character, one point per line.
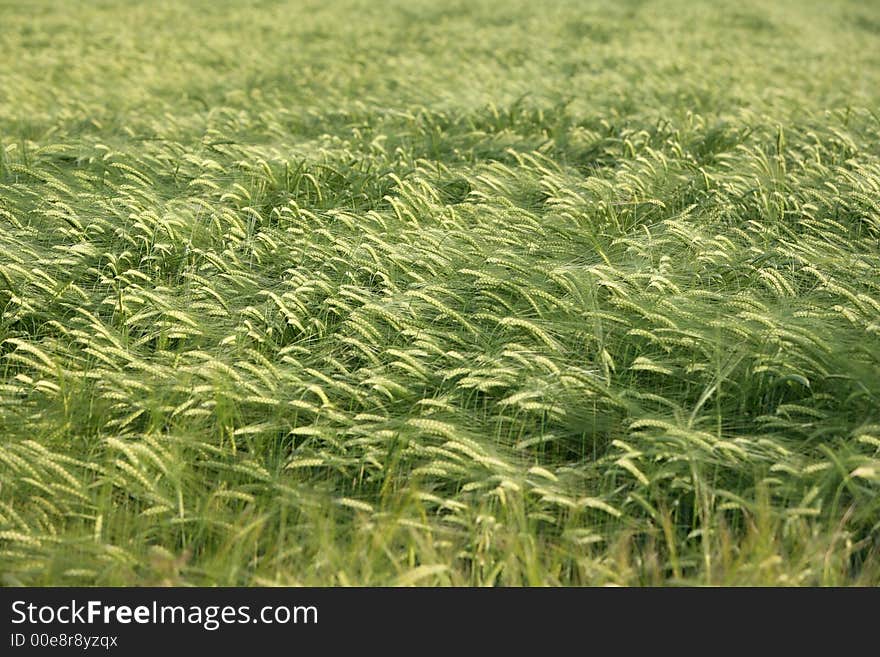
439	293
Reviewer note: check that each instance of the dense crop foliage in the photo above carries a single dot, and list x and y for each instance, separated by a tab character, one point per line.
439	293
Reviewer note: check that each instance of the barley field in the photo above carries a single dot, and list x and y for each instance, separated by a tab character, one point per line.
459	293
